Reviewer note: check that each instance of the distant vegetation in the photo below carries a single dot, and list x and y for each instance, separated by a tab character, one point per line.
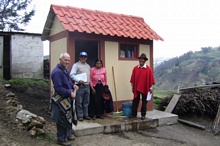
163	93
190	69
160	95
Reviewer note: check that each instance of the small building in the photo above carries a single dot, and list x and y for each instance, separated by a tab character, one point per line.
21	55
117	39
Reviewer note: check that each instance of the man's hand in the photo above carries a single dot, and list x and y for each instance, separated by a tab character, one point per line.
75	87
73	92
151	89
81	82
93	90
73	95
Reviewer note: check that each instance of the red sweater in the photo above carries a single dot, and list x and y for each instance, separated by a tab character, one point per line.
142	79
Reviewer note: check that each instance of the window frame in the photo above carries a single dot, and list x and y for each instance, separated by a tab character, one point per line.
127	58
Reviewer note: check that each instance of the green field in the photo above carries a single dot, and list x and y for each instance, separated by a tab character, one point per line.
160	94
163	93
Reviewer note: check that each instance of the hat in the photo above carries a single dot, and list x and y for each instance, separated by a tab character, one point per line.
143	56
83	54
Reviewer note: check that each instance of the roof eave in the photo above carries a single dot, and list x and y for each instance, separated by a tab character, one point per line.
48	25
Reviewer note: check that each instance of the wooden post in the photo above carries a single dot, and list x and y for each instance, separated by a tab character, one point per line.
215	126
172	103
191	124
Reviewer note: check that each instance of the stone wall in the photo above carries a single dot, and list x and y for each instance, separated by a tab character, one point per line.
26	56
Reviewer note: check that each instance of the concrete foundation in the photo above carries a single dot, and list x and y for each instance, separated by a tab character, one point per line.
111	124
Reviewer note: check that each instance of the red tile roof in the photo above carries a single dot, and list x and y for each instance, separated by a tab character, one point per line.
105	23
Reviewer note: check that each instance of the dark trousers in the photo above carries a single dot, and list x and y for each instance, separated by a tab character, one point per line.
96	104
62	133
135	104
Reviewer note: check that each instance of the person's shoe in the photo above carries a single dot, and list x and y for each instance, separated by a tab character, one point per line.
100	117
132	116
87	118
65	143
93	117
80	119
71	138
72	131
142	117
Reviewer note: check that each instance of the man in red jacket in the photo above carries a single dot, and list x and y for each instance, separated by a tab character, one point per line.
142	81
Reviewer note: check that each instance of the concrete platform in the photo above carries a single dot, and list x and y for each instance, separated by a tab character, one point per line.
111	124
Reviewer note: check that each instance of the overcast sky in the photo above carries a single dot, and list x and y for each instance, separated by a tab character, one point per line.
185	25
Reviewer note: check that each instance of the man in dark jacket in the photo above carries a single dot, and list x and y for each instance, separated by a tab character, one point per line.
61	103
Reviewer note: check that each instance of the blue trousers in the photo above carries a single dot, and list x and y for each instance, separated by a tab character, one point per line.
82	101
62	133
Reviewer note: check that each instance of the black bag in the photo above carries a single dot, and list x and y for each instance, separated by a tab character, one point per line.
64	105
108	102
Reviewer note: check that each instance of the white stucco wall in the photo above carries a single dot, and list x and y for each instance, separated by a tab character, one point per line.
26	56
1	56
122	70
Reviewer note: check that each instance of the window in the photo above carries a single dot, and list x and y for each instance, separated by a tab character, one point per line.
128	51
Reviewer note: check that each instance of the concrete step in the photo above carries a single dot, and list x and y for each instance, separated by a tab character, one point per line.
114	124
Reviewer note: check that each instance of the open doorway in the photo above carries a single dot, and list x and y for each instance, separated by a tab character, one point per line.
6	57
92	49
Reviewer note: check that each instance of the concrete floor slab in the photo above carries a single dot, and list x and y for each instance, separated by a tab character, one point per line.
164	118
114	124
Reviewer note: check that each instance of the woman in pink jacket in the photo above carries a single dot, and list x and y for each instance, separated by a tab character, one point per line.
97	83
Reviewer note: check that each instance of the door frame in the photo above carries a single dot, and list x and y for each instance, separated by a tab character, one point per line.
91	47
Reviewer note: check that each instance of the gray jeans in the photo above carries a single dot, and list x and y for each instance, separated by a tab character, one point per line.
82	101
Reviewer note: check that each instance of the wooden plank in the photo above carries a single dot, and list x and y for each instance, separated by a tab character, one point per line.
205	86
172	103
215	126
191	124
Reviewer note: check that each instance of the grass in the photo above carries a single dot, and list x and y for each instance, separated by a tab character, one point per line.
163	93
160	94
156	101
29	82
47	137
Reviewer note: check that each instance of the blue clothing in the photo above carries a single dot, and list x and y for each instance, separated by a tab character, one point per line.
61	81
82	101
62	133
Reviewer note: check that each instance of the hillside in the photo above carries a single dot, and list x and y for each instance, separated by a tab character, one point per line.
159	60
190	69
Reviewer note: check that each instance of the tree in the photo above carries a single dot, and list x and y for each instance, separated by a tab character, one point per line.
14	14
205	50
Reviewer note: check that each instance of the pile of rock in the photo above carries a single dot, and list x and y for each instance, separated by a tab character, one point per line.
24	119
33	123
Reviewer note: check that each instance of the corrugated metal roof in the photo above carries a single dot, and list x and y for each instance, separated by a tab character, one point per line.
99	22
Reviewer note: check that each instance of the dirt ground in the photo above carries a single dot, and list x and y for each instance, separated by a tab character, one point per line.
37	102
